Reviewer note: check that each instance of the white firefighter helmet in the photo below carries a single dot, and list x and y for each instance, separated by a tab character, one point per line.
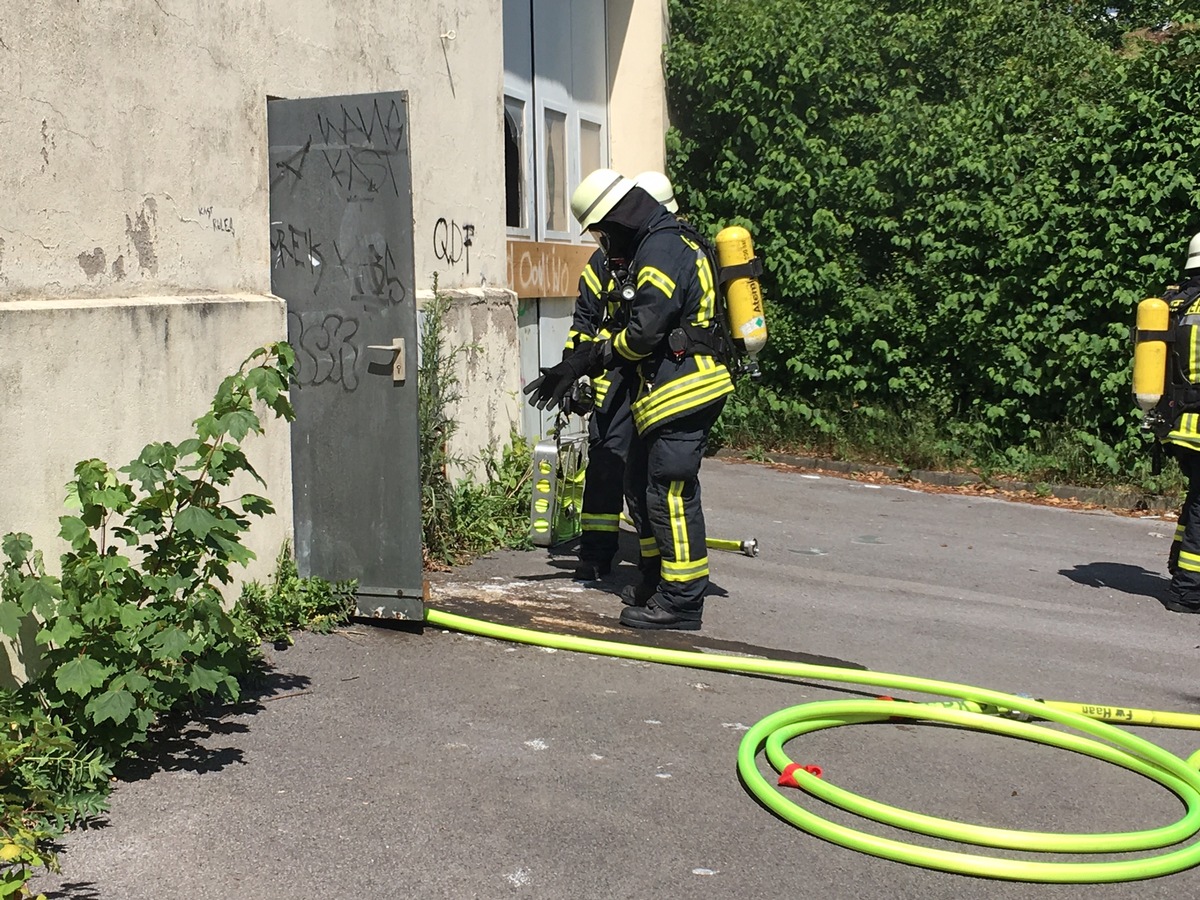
658	186
597	195
1193	254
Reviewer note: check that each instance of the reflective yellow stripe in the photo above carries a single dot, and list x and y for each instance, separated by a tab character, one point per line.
648	546
685	405
1179	529
679	535
672	389
1187	431
688	570
708	302
621	345
599	522
592	279
1193	355
677	397
656	277
1189	561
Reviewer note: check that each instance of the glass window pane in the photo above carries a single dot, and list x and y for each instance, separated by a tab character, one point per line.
557	176
514	163
590	155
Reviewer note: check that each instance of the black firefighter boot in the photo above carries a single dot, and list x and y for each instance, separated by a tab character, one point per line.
654	616
592	570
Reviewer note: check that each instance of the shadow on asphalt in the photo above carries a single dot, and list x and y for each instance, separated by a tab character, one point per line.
1124	577
74	890
183	743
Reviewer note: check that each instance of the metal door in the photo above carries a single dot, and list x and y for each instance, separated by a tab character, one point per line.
342	258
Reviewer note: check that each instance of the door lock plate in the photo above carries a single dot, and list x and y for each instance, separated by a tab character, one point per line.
399	362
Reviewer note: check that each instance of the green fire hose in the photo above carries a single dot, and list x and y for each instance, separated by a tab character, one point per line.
974	708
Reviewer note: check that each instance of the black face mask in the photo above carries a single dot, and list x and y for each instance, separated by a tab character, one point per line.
624	223
616	240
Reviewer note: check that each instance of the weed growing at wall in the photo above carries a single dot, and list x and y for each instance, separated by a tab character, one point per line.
464	518
288	602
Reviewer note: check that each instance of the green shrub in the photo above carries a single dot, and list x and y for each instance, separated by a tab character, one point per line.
958	206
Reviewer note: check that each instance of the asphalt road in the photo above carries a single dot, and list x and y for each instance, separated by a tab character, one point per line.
388	763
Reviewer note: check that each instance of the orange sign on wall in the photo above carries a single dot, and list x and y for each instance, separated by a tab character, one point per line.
544	269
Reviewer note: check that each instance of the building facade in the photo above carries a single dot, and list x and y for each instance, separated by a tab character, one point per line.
136	243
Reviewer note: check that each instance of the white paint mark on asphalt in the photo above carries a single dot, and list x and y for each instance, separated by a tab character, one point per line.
548	649
812	477
663	775
653	721
519	878
596	756
537	744
703	871
736	726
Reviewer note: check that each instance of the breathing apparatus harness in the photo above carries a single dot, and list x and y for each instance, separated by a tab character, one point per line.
689	339
1180	395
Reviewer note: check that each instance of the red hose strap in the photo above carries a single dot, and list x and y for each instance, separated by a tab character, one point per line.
787	778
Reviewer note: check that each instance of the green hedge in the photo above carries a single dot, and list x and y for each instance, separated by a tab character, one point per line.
959	203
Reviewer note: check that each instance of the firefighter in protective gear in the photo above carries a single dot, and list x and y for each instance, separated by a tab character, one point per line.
1183	438
681	388
600	306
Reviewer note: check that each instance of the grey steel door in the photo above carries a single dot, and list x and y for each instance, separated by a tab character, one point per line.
342	258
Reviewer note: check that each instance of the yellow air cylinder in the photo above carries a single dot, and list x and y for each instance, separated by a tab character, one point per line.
1150	356
743	296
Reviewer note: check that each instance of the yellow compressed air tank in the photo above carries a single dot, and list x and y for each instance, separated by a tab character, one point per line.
743	295
1150	355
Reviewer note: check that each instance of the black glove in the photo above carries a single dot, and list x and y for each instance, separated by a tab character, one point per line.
552	385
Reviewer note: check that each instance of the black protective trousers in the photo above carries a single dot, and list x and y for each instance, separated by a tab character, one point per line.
1184	560
663	485
610	433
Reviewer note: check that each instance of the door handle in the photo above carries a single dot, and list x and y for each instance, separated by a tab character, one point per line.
398	359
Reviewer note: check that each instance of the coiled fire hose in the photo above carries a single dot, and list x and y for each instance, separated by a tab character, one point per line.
973	708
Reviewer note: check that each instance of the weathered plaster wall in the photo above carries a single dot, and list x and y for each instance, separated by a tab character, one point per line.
118	375
136	184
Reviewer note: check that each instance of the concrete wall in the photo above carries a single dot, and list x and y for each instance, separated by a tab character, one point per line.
134	233
637	33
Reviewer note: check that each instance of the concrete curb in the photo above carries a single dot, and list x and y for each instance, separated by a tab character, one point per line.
1107	497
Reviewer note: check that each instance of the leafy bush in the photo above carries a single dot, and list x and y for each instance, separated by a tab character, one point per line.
45	782
959	205
135	626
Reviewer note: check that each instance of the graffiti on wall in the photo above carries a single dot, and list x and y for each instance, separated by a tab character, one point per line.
325	349
452	242
351	147
218	219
